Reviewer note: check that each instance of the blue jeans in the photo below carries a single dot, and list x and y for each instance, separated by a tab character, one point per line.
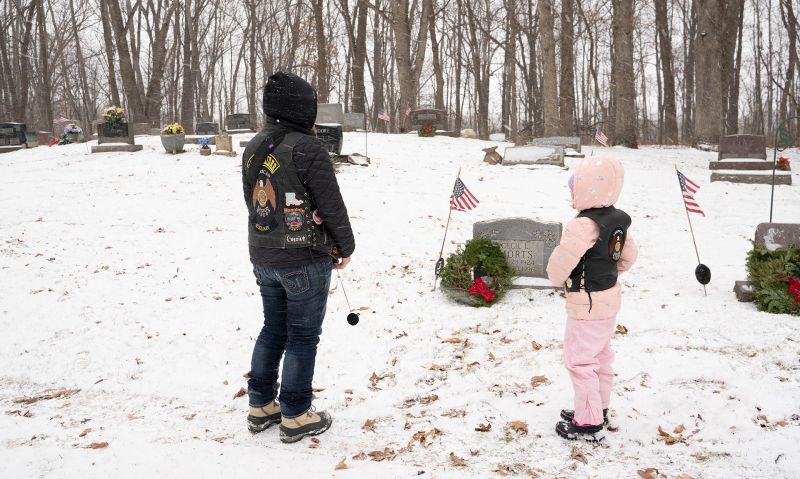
294	300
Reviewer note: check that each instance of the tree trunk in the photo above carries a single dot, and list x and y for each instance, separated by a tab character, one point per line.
408	69
708	68
511	69
109	48
359	59
665	48
567	84
732	126
624	78
552	121
44	67
187	90
437	64
322	52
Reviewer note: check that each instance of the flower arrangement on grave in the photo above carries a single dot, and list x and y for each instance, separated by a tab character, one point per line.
173	129
784	164
114	114
204	142
775	276
478	274
427	131
72	129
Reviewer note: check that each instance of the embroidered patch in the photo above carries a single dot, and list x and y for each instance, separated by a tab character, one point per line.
569	283
298	239
264	203
271	163
615	244
316	217
291	200
294	218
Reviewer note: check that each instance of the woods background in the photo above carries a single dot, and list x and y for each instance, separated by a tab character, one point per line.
662	71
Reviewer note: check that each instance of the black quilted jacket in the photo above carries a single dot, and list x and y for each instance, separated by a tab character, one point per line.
315	170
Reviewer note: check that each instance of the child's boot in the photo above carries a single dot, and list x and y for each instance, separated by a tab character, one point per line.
573	432
260	418
309	423
568	415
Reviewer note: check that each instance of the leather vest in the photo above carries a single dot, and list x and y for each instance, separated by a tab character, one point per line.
282	212
597	269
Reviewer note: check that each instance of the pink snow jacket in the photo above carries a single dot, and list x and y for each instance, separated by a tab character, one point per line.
597	184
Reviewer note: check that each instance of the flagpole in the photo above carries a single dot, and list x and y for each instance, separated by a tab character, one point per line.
446	228
691	229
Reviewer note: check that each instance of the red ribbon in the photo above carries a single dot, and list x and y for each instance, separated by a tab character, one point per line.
794	288
480	288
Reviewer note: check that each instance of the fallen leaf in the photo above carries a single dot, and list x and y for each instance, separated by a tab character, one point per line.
457	461
369	425
438	367
455	413
536	346
649	473
133	417
360	456
452	340
385	454
85	432
537	380
97	445
622	330
679	429
340	466
190	416
483	427
491	356
314	443
317	390
505	340
577	455
519	426
424	437
61	393
666	437
241	392
19	413
474	453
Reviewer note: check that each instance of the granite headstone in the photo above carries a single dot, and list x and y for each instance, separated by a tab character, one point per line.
428	117
239	121
331	137
330	113
526	243
573	142
534	155
353	121
207	128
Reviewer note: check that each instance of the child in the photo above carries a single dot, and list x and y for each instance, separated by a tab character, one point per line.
594	249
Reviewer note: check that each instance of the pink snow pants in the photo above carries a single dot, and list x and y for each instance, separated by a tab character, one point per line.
588	357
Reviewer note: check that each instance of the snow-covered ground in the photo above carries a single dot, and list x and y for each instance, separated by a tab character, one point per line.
126	276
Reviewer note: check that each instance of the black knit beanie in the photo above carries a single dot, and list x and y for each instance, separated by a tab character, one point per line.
290	99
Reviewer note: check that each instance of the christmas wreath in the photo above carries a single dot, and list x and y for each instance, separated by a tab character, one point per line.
427	131
478	274
775	276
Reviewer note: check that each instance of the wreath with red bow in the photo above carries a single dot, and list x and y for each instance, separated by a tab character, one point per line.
478	274
775	276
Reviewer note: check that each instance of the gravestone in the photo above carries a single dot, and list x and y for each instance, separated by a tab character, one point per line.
331	137
141	129
573	142
772	237
224	144
352	121
753	179
43	138
330	113
12	136
534	155
427	117
492	156
155	131
207	128
119	134
239	122
742	146
497	137
527	245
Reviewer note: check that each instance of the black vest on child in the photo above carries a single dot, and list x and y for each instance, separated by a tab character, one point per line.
597	269
282	212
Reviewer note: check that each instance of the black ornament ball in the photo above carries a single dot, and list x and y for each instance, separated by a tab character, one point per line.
352	319
703	274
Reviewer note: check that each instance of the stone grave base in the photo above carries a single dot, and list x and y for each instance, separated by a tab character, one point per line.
193	140
573	142
244	143
532	283
239	132
111	148
534	155
9	149
744	165
744	291
225	153
755	179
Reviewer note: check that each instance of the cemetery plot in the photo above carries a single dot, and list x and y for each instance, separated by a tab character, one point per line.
239	122
534	155
331	137
12	136
330	113
749	153
565	142
428	117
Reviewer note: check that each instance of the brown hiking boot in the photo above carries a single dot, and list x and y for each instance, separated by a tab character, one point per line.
260	418
309	423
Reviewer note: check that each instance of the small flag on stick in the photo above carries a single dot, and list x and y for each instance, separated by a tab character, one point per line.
601	137
462	199
383	116
689	188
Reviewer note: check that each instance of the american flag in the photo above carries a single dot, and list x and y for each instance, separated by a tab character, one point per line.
382	115
601	137
689	188
462	199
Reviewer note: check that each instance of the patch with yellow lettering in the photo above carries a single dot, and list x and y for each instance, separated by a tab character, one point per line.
271	164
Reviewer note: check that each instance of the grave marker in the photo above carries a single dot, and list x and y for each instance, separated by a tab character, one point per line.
573	142
331	137
534	155
12	136
526	243
772	237
239	122
427	117
330	113
353	121
207	128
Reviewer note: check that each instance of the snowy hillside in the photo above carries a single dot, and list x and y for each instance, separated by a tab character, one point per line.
126	277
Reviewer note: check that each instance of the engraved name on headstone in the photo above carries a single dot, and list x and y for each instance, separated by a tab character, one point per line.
526	243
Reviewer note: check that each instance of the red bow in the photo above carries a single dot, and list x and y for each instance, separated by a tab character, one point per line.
794	288
480	288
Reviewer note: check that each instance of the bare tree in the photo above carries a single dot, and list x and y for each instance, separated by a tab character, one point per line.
625	101
552	121
665	51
